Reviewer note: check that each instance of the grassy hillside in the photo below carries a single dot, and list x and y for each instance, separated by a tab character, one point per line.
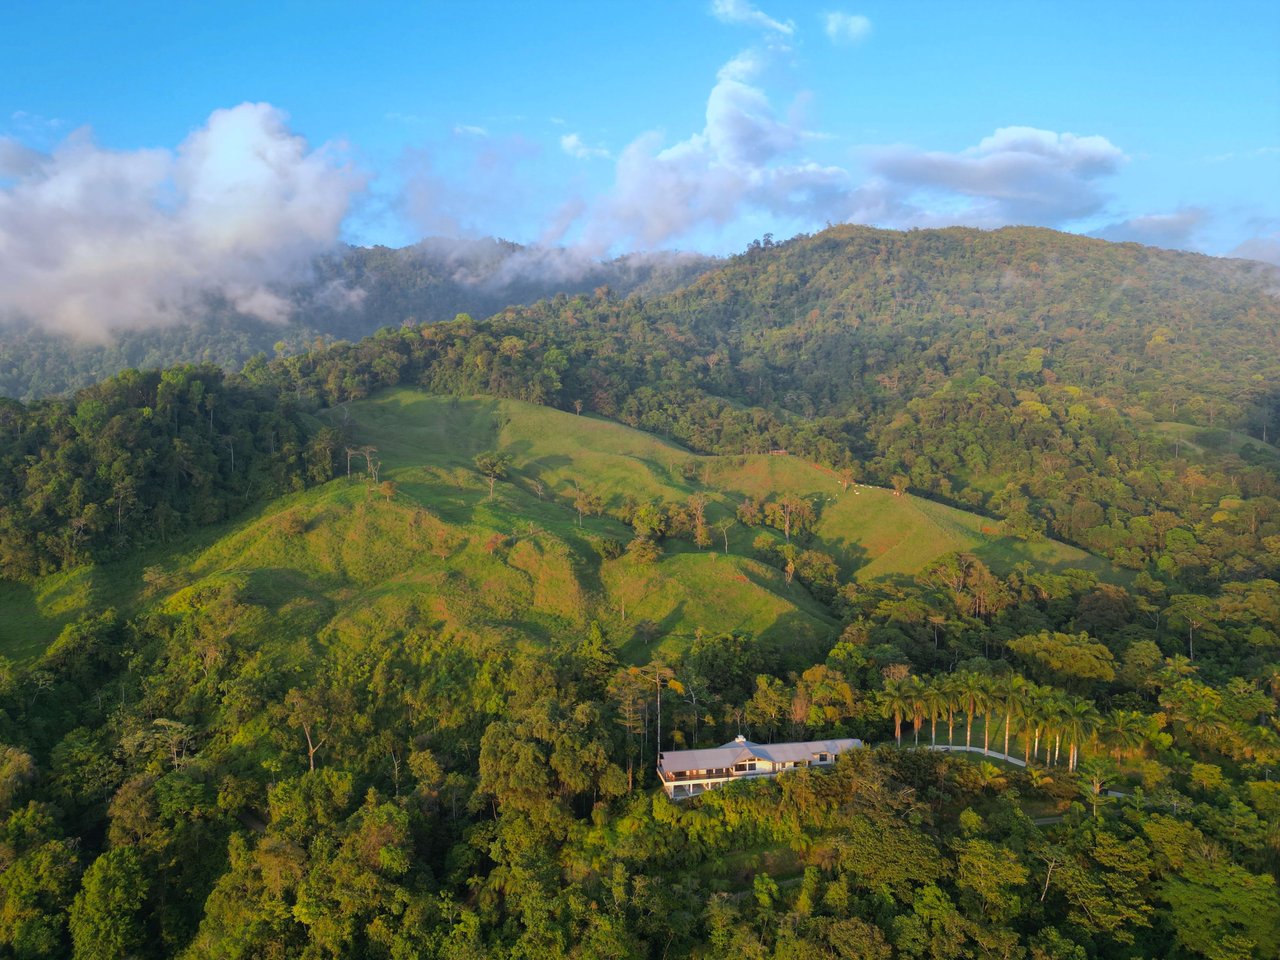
1208	442
346	564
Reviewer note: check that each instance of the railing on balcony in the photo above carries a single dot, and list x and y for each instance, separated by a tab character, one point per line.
685	776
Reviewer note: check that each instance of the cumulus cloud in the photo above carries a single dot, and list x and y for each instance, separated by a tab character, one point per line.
1158	229
1016	175
846	27
749	159
745	157
741	12
575	146
94	240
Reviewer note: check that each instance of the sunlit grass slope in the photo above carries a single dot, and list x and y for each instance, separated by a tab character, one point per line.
346	564
1193	440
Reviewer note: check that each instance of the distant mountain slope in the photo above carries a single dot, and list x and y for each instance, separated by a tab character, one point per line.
343	563
349	296
1019	371
855	313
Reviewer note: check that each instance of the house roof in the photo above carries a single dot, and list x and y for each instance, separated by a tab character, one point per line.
677	761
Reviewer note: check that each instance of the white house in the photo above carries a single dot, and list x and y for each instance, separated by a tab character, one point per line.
687	773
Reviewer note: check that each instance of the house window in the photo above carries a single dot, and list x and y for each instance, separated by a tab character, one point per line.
822	758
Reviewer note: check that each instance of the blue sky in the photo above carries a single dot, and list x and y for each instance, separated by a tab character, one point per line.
279	128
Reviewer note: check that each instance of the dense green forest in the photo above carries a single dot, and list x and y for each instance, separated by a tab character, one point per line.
370	667
347	296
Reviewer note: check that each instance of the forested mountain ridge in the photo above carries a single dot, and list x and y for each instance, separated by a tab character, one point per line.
858	316
1032	375
348	295
411	708
936	356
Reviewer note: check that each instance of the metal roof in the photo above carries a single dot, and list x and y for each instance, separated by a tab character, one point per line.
676	761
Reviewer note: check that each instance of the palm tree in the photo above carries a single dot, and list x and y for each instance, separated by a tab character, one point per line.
990	704
935	704
1124	731
950	688
1080	721
1038	778
1202	719
1040	715
1056	717
915	694
1260	743
1030	710
1011	693
895	701
972	688
1176	668
992	777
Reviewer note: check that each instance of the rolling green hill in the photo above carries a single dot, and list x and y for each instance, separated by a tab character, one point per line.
346	563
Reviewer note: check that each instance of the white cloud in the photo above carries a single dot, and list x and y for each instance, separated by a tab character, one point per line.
574	146
1158	229
469	130
749	160
741	12
846	27
95	240
1016	175
745	158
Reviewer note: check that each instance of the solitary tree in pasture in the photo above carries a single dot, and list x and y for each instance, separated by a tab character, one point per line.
586	502
722	526
493	467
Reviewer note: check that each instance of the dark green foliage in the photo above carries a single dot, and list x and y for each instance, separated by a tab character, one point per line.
104	917
193	781
143	457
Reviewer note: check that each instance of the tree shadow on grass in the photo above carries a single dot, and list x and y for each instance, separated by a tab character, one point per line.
799	640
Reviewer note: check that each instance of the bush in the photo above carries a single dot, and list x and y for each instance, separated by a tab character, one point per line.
607	547
643	550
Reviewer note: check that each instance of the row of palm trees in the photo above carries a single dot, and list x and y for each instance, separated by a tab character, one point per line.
1013	706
